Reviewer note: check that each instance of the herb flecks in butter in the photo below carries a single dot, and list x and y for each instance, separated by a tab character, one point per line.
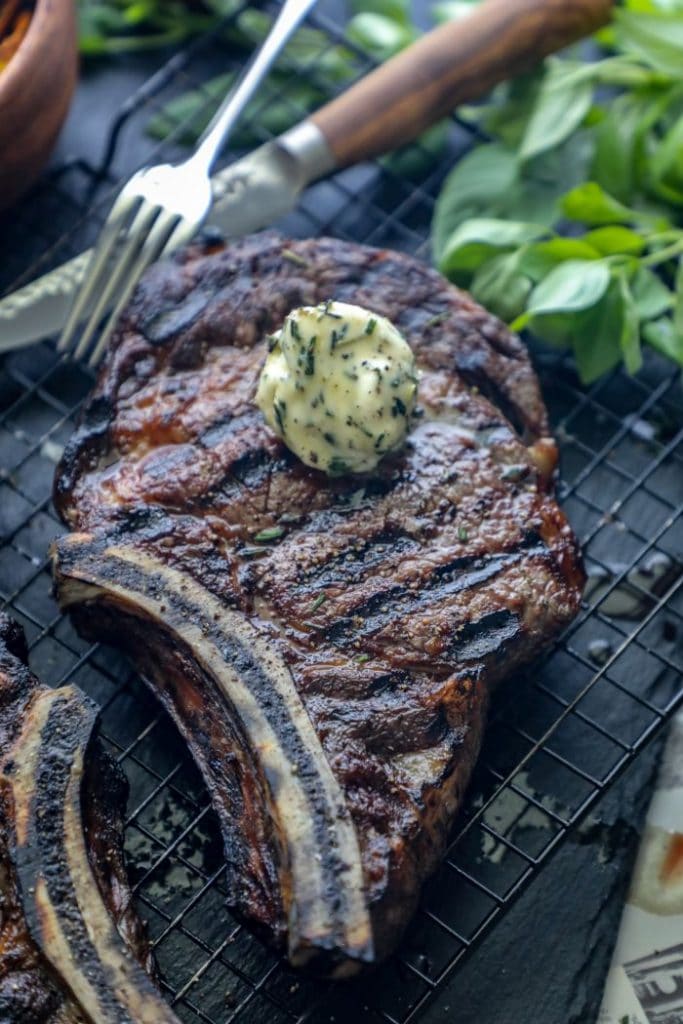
339	386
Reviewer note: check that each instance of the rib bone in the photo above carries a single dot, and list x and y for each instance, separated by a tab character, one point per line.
64	911
320	864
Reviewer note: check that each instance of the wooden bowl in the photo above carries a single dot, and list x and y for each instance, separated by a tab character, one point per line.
35	90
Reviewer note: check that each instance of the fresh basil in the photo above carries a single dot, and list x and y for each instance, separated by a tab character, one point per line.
478	185
417	158
379	35
502	286
397	10
614	239
568	288
590	204
601	141
651	295
663	336
655	37
595	336
452	10
678	302
629	336
540	259
280	103
563	102
478	239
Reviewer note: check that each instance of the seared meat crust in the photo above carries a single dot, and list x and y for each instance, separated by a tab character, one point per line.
31	989
396	600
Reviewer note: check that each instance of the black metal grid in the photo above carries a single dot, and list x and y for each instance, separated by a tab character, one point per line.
560	733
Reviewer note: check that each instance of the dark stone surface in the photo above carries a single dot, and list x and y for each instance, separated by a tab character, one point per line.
547	960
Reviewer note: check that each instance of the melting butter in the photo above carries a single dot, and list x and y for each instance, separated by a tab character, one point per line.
339	387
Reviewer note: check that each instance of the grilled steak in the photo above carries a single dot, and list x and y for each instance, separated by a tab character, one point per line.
67	923
333	681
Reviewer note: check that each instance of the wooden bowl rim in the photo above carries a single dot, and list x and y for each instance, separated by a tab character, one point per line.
46	13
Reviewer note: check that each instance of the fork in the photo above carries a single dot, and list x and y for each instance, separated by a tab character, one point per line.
162	207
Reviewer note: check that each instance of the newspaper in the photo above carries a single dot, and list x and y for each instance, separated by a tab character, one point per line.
645	982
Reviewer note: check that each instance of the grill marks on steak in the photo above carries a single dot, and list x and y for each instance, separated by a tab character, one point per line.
442	571
65	905
185	346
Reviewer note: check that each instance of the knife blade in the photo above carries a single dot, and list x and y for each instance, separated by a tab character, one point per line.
251	193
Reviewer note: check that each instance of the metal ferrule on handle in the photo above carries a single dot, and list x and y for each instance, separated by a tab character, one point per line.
214	137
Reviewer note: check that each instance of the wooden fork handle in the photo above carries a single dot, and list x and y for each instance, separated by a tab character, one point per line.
455	63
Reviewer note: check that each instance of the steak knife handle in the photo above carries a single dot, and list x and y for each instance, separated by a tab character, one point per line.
455	63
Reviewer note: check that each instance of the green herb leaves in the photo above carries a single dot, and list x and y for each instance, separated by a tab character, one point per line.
306	75
477	186
657	37
270	533
563	101
379	35
567	223
477	239
629	335
271	112
317	603
597	293
568	288
108	27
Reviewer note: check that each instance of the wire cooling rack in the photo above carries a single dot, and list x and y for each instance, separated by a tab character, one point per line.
560	733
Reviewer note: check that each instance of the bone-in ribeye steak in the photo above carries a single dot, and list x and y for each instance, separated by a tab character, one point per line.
67	925
336	738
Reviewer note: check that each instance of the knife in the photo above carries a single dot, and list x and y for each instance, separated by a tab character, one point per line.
389	107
